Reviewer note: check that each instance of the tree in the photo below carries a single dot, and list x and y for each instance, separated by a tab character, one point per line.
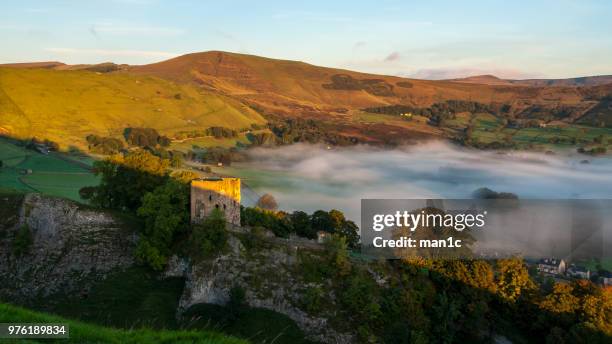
301	224
267	202
561	303
350	232
338	255
513	279
321	221
125	179
165	212
210	236
177	160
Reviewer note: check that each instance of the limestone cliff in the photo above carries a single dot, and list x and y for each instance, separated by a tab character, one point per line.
270	276
71	247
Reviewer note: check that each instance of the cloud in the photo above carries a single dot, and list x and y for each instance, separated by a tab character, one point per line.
112	52
359	44
394	56
131	30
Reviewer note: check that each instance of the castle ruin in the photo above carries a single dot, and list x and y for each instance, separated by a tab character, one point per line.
208	194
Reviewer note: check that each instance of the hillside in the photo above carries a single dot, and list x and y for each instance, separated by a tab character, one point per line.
65	106
283	88
81	332
215	88
288	84
569	82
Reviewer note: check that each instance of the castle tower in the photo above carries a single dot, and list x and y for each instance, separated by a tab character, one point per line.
210	193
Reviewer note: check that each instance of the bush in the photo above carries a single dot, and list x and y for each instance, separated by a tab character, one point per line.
125	179
145	137
166	213
312	300
210	236
104	145
87	192
23	240
267	202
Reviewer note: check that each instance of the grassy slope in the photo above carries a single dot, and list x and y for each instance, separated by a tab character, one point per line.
81	332
65	106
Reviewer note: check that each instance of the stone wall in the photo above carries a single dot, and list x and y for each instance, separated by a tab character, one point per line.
216	193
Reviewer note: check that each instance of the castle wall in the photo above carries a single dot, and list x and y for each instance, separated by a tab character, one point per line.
222	193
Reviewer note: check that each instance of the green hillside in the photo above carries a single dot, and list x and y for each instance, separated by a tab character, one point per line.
86	333
66	106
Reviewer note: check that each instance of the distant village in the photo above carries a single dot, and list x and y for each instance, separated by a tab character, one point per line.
562	271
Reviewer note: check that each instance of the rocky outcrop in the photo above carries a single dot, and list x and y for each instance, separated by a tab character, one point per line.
271	280
71	247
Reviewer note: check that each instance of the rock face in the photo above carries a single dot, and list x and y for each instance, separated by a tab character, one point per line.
73	247
70	248
269	277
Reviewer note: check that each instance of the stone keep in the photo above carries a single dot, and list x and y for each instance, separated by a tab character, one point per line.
210	193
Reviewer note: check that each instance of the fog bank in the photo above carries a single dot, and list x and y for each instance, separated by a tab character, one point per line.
311	177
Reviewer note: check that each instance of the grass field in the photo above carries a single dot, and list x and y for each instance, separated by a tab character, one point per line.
66	106
81	332
53	174
136	297
488	128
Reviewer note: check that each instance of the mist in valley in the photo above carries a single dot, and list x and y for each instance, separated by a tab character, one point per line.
311	177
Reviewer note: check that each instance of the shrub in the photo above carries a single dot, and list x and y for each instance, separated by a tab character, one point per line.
267	202
87	192
312	299
210	236
165	212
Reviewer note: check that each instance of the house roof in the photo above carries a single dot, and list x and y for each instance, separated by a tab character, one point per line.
551	262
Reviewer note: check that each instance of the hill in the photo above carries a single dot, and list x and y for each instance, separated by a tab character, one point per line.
569	82
233	90
262	79
67	105
81	332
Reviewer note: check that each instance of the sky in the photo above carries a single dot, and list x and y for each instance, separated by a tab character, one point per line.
424	39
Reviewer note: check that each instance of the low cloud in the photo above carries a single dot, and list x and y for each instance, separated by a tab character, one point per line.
394	56
311	177
359	44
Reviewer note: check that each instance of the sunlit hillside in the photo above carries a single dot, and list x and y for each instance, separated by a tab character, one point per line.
65	106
